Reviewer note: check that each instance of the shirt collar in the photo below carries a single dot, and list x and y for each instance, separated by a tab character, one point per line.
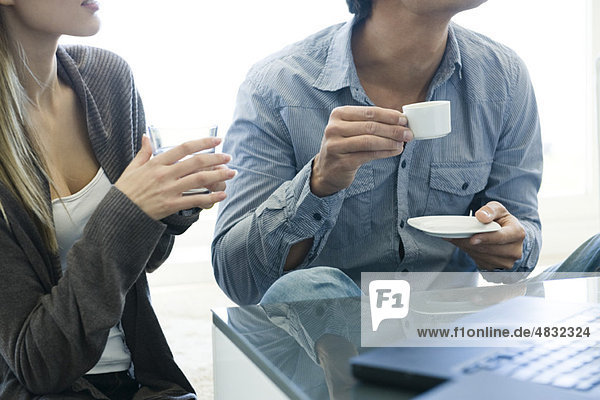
451	62
340	72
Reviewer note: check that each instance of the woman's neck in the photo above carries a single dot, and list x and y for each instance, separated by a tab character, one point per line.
39	76
35	55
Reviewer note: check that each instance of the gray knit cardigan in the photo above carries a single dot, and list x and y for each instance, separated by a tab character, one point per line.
53	327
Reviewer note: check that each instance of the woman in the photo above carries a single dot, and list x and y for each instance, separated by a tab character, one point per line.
81	218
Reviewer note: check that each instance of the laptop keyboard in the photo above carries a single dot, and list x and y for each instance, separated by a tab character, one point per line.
572	363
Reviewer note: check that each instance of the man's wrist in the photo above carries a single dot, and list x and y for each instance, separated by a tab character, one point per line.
317	183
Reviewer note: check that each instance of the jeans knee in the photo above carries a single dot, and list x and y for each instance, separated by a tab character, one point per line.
311	284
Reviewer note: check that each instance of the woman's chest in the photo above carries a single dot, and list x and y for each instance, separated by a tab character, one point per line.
64	142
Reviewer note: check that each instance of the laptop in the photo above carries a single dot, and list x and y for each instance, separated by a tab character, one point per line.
555	369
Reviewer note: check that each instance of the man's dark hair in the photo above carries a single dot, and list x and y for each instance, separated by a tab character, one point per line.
362	8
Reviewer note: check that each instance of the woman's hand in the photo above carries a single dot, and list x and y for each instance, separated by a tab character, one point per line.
156	184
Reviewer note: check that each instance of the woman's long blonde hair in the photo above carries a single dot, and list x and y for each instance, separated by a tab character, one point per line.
22	169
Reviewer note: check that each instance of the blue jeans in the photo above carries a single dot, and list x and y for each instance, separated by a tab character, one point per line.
584	260
327	282
311	284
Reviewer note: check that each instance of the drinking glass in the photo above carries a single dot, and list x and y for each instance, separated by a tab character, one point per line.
165	138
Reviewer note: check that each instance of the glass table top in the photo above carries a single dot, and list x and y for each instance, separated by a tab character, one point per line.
305	347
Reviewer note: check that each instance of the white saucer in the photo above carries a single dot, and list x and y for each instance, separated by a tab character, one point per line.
451	226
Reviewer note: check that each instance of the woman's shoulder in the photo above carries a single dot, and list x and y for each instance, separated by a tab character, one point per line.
95	62
104	84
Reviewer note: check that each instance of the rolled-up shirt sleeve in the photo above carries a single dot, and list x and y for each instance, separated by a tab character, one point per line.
269	205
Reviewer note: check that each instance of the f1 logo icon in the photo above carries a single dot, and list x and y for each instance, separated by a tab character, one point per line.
389	299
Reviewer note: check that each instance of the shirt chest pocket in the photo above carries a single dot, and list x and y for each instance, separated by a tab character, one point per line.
354	219
452	186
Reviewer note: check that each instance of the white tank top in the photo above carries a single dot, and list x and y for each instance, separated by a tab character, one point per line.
71	214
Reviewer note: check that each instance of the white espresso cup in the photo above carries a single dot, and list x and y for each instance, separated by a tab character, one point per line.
429	119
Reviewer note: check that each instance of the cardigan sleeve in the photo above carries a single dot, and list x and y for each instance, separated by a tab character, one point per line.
51	337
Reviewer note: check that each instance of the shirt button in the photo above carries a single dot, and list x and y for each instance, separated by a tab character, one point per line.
402	223
465	186
403	165
317	216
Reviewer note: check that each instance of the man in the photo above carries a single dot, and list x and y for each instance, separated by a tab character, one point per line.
328	171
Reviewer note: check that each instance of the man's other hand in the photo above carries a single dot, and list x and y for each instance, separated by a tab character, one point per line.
495	250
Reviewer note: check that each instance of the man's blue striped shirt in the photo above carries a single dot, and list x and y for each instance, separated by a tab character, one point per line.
494	152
